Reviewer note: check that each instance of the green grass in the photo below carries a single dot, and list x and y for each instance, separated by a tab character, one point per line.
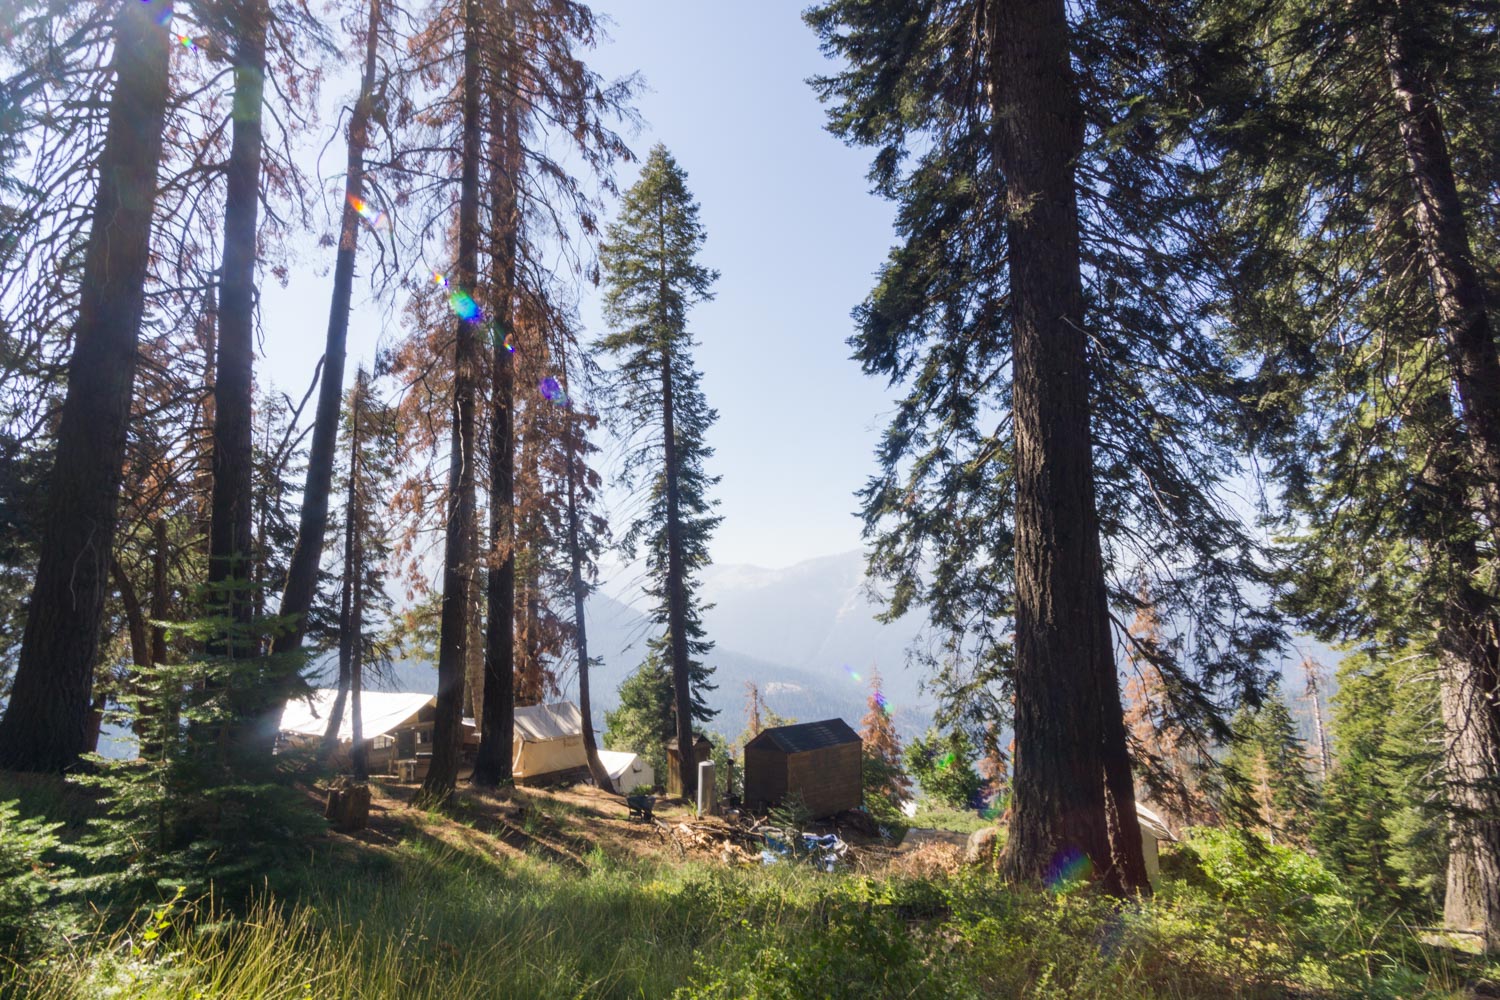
425	919
936	816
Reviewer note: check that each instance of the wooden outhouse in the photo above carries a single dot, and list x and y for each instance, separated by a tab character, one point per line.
823	762
702	749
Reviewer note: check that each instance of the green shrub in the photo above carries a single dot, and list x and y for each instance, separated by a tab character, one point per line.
1259	877
944	767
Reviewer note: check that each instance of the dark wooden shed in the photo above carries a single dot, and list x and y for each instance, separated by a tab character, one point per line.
823	762
702	750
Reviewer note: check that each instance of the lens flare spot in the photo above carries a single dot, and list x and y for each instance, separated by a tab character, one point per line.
373	216
463	305
1069	867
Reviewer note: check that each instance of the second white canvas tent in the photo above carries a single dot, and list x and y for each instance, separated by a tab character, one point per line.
549	739
627	770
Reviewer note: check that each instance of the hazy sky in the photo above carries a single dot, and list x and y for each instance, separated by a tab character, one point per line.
792	230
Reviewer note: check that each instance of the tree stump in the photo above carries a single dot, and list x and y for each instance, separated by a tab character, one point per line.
348	805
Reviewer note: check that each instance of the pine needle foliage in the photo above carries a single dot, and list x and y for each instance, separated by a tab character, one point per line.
198	808
914	88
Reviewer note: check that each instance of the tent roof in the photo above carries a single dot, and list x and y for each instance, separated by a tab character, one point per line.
548	722
380	712
806	736
1152	823
618	762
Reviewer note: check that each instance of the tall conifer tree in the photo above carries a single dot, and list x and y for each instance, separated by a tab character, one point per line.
1040	315
46	721
1351	158
652	278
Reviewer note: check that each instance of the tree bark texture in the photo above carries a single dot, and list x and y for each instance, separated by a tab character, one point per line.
1470	695
302	573
230	527
359	758
1448	252
46	724
348	629
580	595
458	543
1069	728
496	756
682	696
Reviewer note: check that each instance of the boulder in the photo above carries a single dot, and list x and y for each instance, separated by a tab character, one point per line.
981	846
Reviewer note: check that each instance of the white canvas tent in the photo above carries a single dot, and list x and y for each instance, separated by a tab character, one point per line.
380	713
549	739
628	771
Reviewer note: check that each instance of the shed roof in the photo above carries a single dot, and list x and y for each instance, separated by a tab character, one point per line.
805	736
699	740
538	723
1152	823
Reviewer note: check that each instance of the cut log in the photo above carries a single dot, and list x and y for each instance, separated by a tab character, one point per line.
348	805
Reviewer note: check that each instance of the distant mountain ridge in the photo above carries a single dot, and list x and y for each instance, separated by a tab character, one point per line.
807	636
800	634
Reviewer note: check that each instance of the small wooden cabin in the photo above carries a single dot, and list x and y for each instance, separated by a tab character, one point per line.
823	762
702	750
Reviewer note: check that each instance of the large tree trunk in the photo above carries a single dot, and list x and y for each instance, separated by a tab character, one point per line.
46	724
358	756
302	574
348	630
230	547
135	615
682	695
497	723
458	545
1448	253
574	445
1470	693
1470	686
1068	778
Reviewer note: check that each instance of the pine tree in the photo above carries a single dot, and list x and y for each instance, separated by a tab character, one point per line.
365	605
46	721
1009	186
652	279
1267	757
1351	290
302	576
882	749
1351	833
459	548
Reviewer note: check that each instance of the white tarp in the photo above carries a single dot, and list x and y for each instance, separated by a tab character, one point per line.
628	771
380	712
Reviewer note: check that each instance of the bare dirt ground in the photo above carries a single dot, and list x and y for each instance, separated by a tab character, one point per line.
567	825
